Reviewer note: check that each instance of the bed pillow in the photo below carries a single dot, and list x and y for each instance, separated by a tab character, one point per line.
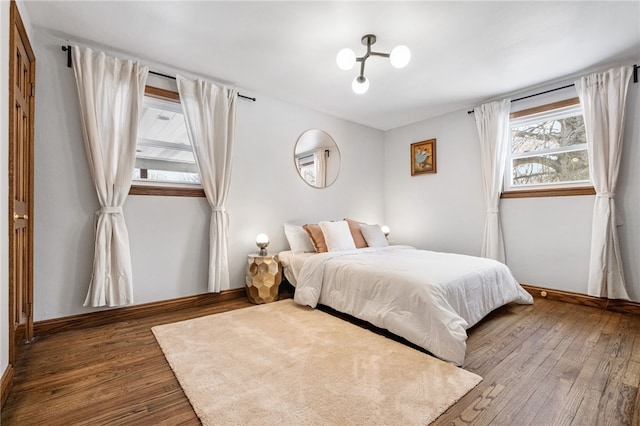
373	235
298	239
337	235
356	233
317	237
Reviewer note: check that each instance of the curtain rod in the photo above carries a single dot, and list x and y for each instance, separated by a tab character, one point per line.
635	80
69	65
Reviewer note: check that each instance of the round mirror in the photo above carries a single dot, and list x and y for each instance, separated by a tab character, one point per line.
317	158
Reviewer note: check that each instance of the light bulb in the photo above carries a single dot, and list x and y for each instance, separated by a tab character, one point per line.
346	59
385	230
262	241
400	56
360	85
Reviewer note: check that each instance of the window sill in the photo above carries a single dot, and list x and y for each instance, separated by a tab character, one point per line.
166	191
555	192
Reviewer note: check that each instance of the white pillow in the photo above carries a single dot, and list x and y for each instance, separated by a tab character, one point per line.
299	240
337	235
373	235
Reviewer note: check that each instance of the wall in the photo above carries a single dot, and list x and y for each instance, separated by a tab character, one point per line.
628	198
441	211
169	235
547	239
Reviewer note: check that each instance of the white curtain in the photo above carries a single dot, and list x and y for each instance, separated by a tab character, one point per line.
320	161
603	97
209	111
492	121
111	92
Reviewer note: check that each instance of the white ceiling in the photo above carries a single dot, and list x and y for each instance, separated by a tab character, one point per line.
462	52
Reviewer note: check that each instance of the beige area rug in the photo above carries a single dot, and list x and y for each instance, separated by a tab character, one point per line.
282	363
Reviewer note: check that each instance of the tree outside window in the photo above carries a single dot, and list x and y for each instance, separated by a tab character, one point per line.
548	148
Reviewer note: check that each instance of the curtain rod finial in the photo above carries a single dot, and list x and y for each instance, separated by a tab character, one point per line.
67	49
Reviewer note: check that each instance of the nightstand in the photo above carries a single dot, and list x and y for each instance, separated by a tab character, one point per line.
263	278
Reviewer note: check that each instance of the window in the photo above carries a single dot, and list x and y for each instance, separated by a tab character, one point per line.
548	149
307	168
164	155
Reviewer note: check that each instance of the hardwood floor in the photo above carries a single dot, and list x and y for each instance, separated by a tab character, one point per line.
546	364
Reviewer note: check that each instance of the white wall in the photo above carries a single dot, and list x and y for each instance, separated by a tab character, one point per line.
169	235
628	194
547	239
441	211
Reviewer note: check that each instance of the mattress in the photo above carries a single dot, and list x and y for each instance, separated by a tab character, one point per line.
428	298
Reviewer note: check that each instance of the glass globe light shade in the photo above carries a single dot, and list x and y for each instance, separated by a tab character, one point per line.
346	59
360	85
400	56
262	241
385	230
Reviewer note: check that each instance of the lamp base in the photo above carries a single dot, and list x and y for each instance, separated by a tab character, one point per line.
262	252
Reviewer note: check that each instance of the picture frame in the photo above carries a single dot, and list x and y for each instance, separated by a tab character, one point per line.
423	157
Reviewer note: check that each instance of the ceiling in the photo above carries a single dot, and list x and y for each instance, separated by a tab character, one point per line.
463	53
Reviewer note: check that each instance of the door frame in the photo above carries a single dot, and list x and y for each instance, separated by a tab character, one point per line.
16	23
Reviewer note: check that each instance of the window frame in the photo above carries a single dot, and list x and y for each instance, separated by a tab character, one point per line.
550	190
164	189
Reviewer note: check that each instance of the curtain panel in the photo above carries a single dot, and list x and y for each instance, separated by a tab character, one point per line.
320	160
603	98
110	91
209	111
492	122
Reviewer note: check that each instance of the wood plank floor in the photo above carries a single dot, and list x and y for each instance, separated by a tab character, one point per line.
548	364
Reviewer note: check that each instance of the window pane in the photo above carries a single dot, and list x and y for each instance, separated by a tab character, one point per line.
164	152
572	166
549	134
166	176
548	148
307	169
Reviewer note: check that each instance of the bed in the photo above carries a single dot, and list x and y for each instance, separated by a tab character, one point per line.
429	298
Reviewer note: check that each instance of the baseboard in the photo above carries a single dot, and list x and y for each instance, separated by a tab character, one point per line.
5	386
129	313
614	305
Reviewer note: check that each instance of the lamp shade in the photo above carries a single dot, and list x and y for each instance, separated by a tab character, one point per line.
385	230
360	85
262	241
400	56
346	59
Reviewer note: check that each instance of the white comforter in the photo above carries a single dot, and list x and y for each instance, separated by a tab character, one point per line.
429	298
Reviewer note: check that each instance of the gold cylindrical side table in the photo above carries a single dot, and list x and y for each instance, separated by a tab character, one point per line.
263	278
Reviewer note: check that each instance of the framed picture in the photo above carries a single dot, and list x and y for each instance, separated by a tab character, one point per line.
423	157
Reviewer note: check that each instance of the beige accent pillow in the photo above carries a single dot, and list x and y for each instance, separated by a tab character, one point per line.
316	235
356	233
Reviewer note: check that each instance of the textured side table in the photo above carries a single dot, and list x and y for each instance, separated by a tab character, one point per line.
263	278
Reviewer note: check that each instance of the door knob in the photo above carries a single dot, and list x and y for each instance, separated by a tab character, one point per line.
16	217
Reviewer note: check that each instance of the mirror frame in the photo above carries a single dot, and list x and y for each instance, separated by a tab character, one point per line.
337	148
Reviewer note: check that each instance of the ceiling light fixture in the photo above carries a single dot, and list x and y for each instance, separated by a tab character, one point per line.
346	59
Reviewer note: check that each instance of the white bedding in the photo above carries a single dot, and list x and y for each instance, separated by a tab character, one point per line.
429	298
292	264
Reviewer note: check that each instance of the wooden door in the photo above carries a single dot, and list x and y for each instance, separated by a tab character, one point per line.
21	98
